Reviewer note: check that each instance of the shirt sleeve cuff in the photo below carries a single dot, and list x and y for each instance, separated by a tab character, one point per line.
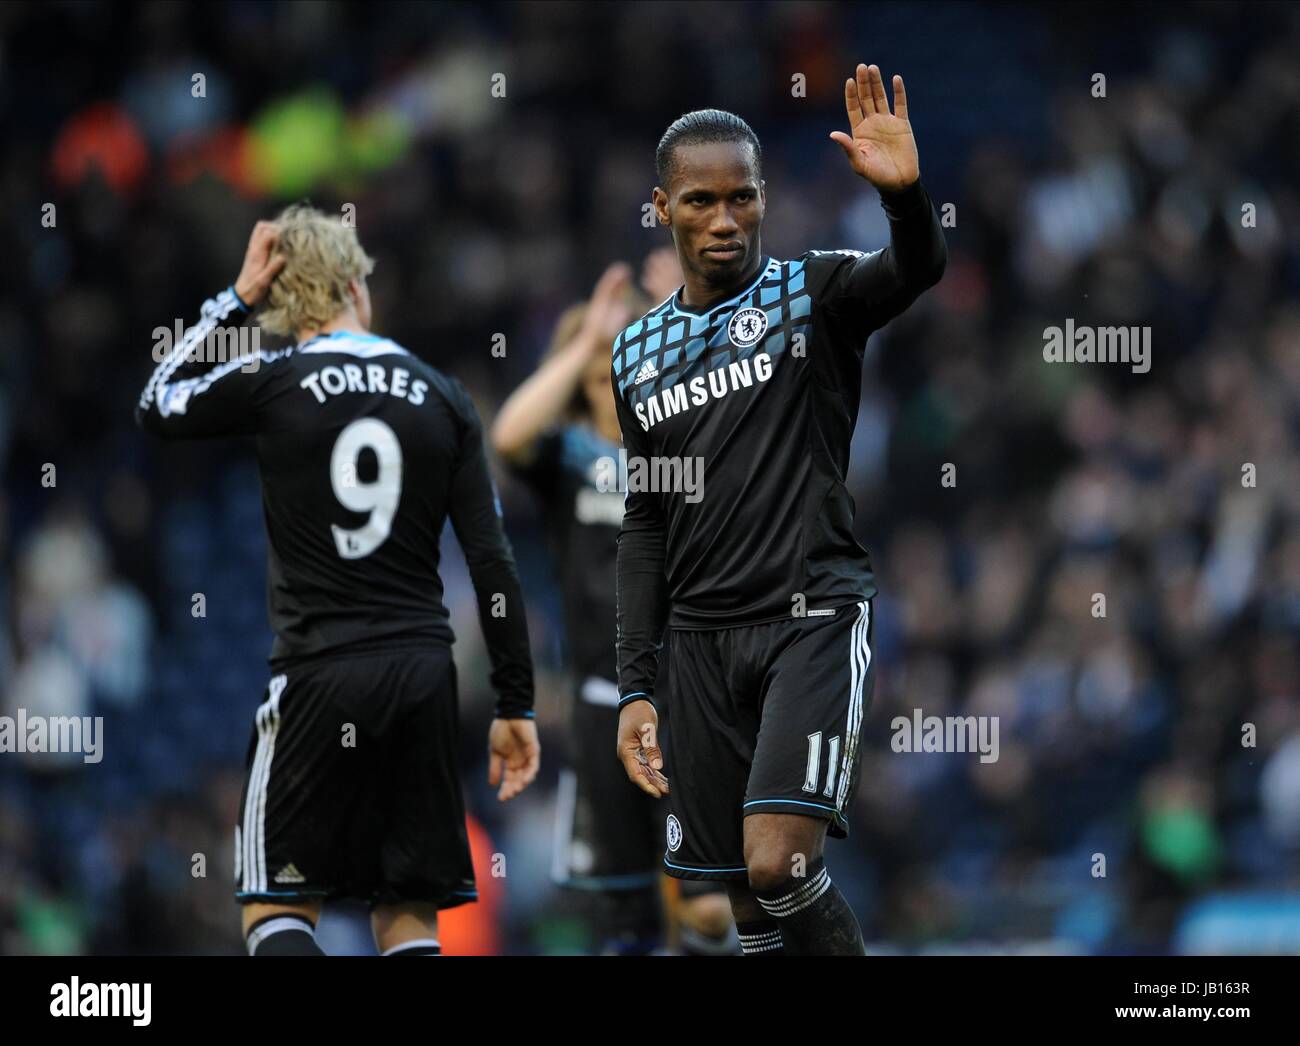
903	202
638	695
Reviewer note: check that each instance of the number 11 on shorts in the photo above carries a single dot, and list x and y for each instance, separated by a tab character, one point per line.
814	764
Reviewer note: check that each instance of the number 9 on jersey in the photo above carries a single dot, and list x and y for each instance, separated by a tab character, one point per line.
379	498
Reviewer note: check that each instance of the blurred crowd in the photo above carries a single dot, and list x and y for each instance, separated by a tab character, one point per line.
1147	792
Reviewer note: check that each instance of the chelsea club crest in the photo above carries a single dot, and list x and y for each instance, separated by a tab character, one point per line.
746	327
674	833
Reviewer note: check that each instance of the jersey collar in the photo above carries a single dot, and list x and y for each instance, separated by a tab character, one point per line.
369	344
765	267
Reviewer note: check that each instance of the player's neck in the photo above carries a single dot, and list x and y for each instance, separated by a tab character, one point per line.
699	293
346	321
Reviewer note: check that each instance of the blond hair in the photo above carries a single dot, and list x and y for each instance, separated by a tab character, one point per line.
321	256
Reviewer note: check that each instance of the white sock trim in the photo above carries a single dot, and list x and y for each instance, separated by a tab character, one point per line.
280	924
767	941
419	942
799	898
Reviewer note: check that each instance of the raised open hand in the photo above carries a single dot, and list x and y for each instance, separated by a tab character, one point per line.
609	311
881	149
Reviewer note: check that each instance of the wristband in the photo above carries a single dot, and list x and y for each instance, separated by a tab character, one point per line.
897	204
639	695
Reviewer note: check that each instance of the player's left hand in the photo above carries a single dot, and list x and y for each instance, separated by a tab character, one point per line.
638	748
881	149
514	756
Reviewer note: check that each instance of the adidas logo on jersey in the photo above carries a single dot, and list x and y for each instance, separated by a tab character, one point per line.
648	370
290	874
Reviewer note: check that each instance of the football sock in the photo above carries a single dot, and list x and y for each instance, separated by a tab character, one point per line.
813	915
760	938
283	935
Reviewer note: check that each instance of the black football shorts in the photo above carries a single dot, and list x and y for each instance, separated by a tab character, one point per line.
608	833
352	787
762	719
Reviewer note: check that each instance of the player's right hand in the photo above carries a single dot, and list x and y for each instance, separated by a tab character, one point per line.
638	747
881	148
661	273
608	312
514	755
261	265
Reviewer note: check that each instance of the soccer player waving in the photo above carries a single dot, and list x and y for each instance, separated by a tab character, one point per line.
753	369
365	451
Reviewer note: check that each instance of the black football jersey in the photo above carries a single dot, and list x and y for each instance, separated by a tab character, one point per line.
757	396
365	451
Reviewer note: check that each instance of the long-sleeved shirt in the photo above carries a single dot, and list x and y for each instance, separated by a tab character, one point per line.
743	412
365	452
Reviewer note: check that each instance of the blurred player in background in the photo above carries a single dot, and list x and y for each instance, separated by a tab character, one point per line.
365	451
755	369
559	432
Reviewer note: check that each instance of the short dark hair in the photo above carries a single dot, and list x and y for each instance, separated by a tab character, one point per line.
699	128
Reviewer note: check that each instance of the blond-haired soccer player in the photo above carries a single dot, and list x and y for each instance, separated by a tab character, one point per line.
364	451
